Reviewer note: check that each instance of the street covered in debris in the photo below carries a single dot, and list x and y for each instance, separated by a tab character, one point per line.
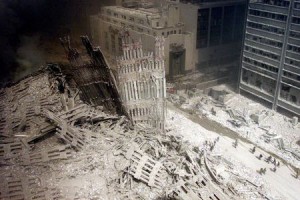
246	164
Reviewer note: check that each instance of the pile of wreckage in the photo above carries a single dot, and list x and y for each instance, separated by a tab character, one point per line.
54	145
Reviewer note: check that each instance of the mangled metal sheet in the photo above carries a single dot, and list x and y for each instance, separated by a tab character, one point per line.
143	167
66	132
26	188
46	155
10	149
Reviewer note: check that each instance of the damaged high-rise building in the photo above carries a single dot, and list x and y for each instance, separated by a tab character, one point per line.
146	20
271	55
142	84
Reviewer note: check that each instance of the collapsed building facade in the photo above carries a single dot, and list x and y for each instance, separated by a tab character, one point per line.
271	54
142	83
59	141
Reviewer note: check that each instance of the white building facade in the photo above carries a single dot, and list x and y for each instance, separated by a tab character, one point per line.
145	22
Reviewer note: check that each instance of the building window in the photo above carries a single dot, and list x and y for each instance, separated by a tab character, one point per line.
293	48
228	24
163	33
123	16
290	61
268	28
215	26
268	15
264	40
296	20
240	11
260	64
281	3
202	28
262	53
179	31
157	24
295	34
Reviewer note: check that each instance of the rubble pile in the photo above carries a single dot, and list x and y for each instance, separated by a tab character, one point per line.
54	146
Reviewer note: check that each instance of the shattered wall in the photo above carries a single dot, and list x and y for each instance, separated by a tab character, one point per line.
93	77
142	82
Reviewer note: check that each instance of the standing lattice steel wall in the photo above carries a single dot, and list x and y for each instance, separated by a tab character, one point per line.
142	82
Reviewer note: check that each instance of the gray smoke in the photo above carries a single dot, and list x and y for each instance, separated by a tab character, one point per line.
20	52
30	57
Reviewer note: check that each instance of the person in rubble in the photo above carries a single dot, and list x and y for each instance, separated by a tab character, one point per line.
236	143
265	170
297	173
253	150
278	164
260	156
269	159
